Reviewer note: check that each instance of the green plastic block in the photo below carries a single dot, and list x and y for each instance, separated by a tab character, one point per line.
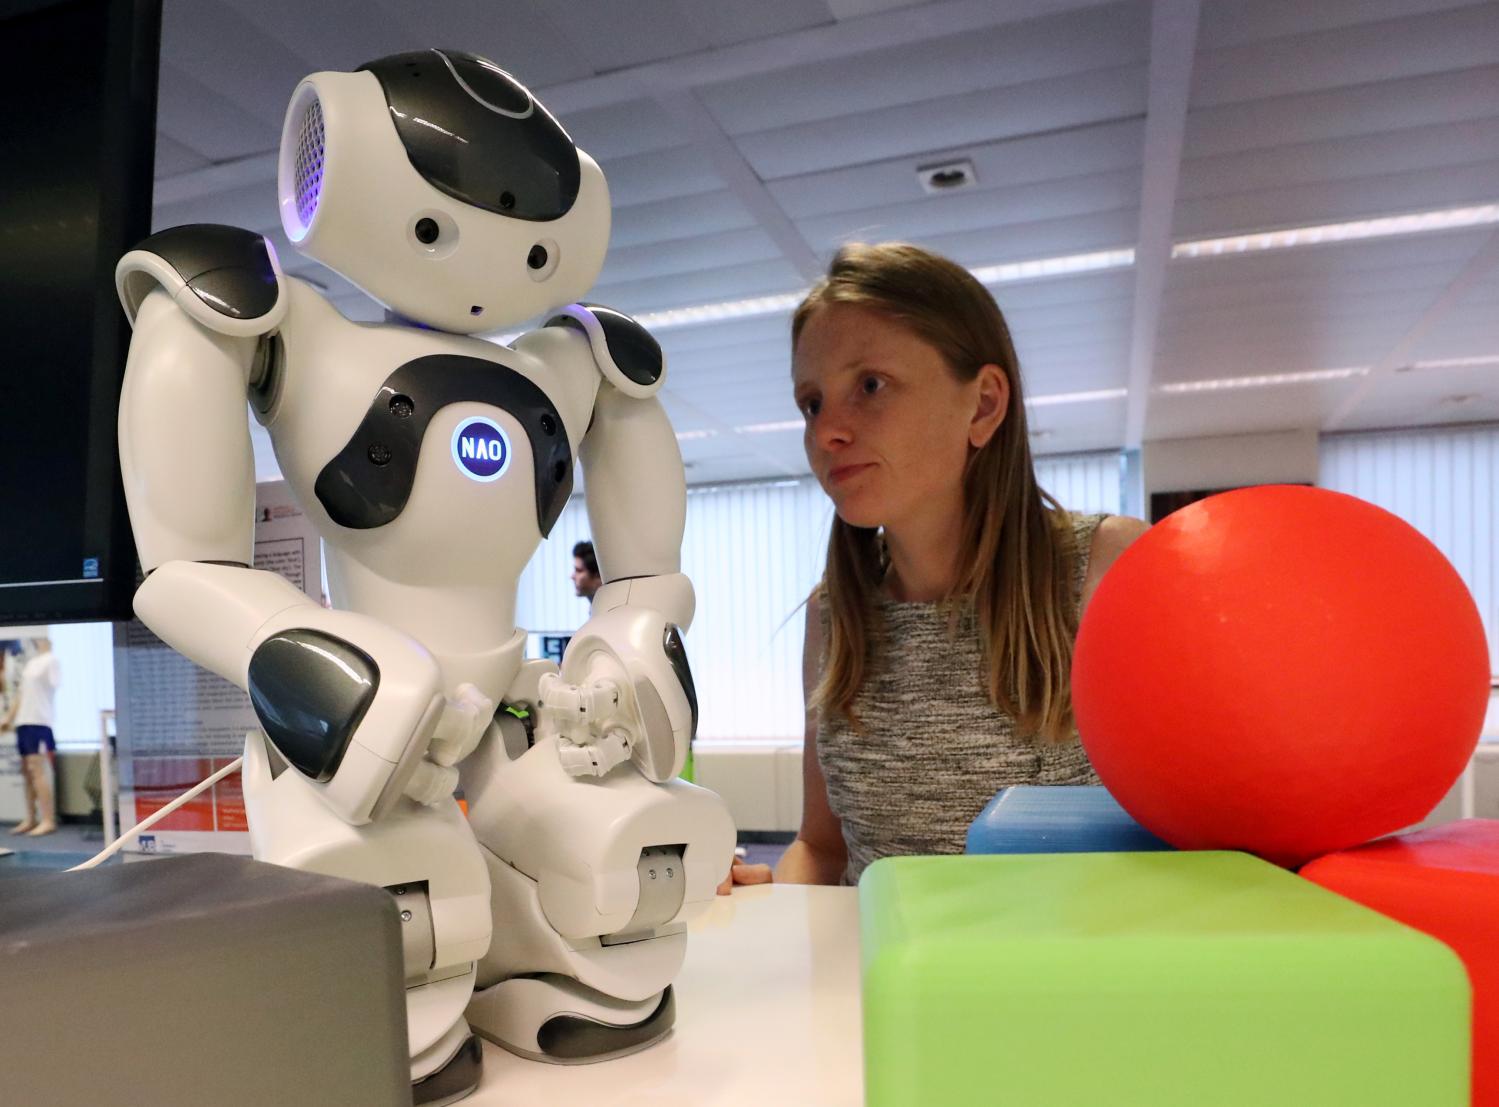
1152	979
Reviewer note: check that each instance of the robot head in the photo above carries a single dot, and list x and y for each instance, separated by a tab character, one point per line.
437	183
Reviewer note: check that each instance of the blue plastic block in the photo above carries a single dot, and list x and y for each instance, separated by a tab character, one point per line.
1062	819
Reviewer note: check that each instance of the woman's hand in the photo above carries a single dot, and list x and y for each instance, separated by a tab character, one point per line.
742	873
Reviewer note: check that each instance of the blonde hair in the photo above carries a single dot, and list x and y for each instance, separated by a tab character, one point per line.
1016	549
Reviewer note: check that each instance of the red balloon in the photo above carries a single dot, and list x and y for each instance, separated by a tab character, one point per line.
1282	670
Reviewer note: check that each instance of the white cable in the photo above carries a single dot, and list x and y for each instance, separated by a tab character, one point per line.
156	816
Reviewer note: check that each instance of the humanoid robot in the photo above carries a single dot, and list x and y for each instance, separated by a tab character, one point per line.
433	463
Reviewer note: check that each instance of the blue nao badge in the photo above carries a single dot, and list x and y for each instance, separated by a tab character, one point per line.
481	449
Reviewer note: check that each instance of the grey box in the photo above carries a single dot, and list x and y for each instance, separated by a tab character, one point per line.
203	979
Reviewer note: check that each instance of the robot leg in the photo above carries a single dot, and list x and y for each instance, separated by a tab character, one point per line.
591	883
427	858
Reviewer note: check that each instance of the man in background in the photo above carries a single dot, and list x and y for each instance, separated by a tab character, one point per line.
31	714
586	579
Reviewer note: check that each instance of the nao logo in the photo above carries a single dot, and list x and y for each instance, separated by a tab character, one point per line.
481	449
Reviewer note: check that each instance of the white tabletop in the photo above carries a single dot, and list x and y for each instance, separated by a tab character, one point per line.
767	1014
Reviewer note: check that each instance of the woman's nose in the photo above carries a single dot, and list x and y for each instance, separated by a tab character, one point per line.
830	429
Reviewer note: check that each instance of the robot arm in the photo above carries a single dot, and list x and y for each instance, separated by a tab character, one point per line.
349	702
625	690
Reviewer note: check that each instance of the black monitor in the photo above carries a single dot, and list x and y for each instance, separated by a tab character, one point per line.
77	146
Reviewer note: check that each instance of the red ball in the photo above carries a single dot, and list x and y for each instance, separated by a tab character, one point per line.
1286	671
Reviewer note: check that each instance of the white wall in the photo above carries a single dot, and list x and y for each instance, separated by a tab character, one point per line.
1229	461
85	654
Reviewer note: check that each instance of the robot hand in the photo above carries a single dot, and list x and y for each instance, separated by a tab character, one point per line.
624	693
354	705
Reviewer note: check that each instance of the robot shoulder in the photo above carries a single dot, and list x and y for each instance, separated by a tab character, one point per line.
626	353
225	278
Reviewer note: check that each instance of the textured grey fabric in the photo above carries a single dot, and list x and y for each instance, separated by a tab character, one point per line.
934	750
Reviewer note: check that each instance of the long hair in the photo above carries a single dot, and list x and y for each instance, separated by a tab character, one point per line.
1017	554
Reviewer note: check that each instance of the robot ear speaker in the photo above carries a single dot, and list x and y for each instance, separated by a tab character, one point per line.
309	161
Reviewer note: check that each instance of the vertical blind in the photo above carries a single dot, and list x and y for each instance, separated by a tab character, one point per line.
1441	481
754	551
1084	482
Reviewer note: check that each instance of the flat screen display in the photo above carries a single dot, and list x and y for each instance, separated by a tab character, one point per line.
76	146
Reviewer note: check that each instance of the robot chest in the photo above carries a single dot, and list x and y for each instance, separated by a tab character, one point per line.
489	416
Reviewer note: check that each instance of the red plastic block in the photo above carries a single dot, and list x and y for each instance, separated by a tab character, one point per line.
1444	881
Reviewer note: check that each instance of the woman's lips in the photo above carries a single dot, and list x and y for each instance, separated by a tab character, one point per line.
841	473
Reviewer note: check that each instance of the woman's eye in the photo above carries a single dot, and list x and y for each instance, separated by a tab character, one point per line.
871	385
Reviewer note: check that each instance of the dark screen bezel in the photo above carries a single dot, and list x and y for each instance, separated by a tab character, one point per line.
125	170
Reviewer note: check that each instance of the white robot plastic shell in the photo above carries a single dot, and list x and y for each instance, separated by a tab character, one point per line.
361	219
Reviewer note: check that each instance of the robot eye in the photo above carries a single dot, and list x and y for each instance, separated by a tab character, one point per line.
426	231
537	258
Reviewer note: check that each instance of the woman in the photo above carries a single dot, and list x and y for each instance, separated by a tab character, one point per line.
939	642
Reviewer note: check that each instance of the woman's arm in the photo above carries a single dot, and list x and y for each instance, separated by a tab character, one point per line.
818	855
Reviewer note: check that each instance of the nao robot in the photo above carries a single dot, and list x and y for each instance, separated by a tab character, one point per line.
550	920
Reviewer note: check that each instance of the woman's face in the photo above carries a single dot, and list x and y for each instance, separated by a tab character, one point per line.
889	425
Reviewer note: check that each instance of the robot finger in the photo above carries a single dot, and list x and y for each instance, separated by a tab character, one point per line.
465	716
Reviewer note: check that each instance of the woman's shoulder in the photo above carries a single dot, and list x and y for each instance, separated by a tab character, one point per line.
1112	535
1108	537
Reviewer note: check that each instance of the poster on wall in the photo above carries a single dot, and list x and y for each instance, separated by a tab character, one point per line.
177	723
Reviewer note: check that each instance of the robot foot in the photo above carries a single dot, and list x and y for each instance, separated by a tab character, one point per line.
556	1019
454	1077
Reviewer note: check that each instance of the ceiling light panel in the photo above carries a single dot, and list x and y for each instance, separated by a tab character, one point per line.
1262	380
1388	227
1089	397
1457	362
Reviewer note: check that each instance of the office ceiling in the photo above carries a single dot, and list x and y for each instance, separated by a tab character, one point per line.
744	142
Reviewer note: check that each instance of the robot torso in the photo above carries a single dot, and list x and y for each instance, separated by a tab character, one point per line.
432	464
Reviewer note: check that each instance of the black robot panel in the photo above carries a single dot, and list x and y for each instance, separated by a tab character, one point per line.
368	482
475	133
229	269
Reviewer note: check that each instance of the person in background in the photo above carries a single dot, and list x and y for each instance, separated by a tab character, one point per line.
939	641
586	579
31	714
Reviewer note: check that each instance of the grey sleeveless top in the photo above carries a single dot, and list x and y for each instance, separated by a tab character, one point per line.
934	749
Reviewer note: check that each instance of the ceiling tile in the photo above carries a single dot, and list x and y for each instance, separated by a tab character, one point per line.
1337	202
931	127
756	279
678	217
613	36
1235	23
1019	161
207	121
1433	99
975	208
219	48
1391	49
172	157
1010	54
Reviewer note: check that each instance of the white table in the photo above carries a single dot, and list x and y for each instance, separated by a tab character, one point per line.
767	1015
